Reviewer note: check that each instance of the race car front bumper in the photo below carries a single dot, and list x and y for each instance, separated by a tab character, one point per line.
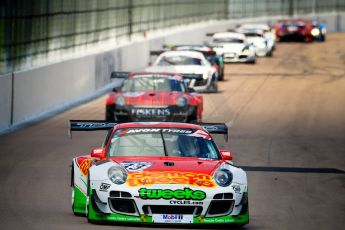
242	57
221	208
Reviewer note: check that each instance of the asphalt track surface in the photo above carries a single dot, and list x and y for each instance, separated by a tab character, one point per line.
287	118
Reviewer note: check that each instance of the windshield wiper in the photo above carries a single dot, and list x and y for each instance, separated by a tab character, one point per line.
164	146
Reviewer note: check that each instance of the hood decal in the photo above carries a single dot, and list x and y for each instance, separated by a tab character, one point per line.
148	178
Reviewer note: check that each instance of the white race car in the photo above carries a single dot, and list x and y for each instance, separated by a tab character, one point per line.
234	46
268	32
187	63
262	45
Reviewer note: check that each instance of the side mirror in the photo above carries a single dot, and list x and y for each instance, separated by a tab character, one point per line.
118	88
226	155
98	153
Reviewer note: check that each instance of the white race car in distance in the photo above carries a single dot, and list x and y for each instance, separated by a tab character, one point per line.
262	45
188	63
234	46
268	32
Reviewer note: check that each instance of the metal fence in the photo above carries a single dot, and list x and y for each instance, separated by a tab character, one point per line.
257	8
38	32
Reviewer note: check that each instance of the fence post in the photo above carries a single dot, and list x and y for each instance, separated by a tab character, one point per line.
291	8
130	19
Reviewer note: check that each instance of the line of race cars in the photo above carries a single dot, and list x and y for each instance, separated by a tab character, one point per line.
158	163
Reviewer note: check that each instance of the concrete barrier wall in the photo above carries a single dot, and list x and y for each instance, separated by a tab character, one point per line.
51	88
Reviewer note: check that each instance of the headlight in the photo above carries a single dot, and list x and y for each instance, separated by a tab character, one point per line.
182	101
245	51
315	32
117	174
205	76
120	101
223	177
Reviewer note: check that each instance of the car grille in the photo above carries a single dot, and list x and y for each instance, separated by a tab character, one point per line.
220	208
123	206
223	196
119	194
202	82
172	209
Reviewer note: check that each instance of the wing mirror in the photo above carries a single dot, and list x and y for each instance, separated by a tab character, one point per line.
118	88
98	153
226	155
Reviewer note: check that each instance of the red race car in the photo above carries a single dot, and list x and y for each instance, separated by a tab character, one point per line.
158	173
294	29
153	97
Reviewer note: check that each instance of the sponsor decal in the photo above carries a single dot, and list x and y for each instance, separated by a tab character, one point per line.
133	94
167	194
157	130
200	133
151	112
84	165
172	218
104	187
135	166
185	202
148	178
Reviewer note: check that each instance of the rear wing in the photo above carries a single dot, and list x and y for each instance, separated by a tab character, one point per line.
96	125
89	125
124	75
216	128
119	74
210	34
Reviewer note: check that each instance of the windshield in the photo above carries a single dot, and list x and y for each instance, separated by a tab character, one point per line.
162	142
179	60
227	40
152	82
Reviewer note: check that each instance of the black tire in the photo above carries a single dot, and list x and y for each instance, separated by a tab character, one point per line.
252	62
221	74
323	38
213	88
193	117
270	54
109	113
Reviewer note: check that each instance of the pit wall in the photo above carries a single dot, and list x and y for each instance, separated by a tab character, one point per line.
30	95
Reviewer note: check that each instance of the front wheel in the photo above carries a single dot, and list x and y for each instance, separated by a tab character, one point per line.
109	113
193	117
213	88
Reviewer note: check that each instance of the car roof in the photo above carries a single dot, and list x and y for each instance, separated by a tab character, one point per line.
191	47
189	53
161	74
255	26
229	34
175	125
